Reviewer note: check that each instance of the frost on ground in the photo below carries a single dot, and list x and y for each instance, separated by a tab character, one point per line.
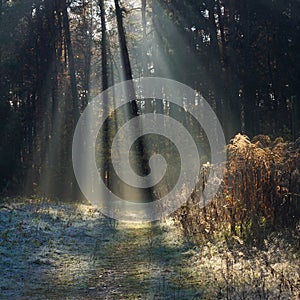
64	251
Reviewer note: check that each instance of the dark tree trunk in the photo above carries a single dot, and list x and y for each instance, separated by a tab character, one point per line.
141	157
1	79
222	33
125	58
103	47
250	113
71	62
70	183
88	57
148	106
144	49
157	42
215	61
105	169
233	91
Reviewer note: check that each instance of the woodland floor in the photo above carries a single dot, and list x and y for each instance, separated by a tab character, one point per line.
64	251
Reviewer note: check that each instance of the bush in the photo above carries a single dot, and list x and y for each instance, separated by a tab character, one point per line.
260	190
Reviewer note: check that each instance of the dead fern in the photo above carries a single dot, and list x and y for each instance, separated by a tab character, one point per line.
260	190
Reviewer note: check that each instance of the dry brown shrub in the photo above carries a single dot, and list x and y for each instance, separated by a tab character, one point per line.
260	189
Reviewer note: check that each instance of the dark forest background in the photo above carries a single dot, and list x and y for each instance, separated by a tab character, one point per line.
55	55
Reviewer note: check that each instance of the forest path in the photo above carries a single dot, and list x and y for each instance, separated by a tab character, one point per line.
54	251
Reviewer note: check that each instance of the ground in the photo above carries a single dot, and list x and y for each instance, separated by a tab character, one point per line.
67	251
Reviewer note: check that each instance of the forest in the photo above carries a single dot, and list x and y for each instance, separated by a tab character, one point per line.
74	73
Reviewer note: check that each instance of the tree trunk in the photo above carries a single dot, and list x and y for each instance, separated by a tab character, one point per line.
105	168
125	58
250	113
72	189
1	80
215	61
144	49
141	158
71	61
233	95
222	33
157	40
88	25
148	106
103	47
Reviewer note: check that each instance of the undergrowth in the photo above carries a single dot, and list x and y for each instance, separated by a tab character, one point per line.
259	194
